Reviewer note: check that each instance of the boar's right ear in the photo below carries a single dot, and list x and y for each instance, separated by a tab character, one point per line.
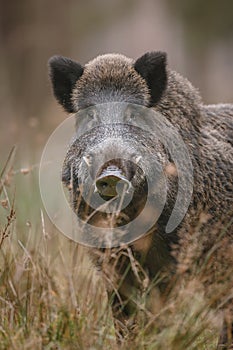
152	67
64	74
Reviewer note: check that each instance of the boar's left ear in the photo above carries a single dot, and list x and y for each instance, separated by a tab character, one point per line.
64	74
152	67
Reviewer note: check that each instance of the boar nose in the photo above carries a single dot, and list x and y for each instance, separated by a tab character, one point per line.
111	183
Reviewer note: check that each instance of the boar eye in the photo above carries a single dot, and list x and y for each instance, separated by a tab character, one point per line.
86	119
135	115
131	115
91	113
133	111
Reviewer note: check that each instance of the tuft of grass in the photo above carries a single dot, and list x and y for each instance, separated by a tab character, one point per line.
51	297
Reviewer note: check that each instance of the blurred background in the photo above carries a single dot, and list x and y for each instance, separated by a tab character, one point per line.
196	34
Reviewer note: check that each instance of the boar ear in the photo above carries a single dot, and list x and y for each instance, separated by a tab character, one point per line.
152	67
64	74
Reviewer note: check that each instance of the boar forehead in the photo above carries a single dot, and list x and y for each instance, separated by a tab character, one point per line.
109	79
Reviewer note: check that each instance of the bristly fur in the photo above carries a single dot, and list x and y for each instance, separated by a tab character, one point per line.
113	79
207	132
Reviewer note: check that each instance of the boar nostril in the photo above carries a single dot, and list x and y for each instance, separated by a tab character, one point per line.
102	185
111	185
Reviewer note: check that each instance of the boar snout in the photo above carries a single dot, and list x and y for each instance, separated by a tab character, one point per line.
112	182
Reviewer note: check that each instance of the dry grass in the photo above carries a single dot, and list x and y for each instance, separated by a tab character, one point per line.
52	298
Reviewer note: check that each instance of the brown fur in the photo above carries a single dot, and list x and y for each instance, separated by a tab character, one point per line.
208	134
